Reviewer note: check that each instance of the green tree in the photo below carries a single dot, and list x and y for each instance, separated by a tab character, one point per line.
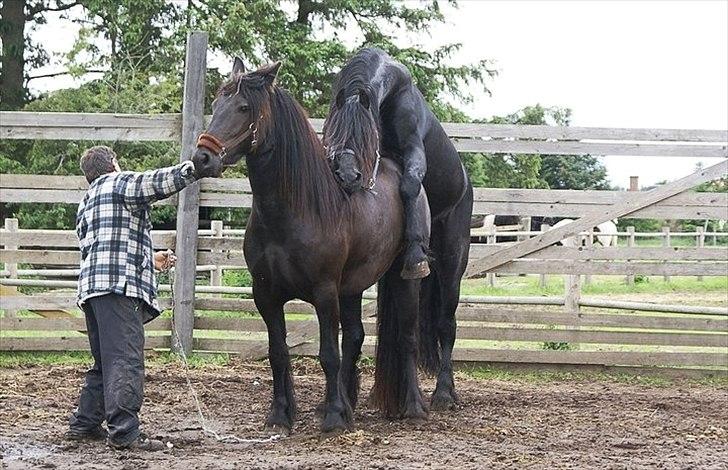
537	171
20	54
311	38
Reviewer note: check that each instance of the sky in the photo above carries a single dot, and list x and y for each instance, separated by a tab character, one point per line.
656	64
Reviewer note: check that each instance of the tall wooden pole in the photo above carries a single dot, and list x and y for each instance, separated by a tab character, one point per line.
188	204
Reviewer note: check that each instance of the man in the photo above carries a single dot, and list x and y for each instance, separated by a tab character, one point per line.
117	292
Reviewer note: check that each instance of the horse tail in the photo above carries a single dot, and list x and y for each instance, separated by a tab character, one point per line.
429	313
389	379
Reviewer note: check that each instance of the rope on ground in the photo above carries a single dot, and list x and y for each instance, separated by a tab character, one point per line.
207	430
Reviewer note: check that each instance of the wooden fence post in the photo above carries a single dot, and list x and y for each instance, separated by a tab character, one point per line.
666	243
542	277
216	273
634	183
572	293
589	242
491	240
700	242
188	206
631	244
11	225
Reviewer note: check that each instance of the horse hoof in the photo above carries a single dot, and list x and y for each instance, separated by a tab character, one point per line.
417	415
418	271
443	402
334	423
281	430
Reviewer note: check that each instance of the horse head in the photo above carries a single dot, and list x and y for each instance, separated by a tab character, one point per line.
351	138
240	119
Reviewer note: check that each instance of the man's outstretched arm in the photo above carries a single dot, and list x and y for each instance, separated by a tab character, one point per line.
140	190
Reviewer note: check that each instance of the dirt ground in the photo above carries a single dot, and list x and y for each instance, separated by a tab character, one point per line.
499	424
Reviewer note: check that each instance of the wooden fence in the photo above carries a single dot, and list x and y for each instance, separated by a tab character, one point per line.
697	337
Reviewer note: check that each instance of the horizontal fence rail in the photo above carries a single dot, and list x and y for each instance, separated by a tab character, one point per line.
236	192
488	138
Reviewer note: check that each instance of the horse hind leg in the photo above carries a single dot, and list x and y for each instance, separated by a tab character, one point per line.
283	406
396	385
452	245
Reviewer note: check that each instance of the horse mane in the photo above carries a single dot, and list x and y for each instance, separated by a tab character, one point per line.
349	124
305	180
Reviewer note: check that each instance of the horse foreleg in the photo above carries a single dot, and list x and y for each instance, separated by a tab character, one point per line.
352	339
283	406
337	411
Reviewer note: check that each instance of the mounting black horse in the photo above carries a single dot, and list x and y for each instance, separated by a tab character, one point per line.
307	239
376	108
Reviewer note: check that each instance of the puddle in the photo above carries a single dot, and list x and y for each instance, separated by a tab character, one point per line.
11	449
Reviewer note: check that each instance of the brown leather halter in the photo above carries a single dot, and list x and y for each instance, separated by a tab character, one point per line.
218	147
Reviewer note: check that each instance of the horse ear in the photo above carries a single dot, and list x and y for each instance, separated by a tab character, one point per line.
364	99
270	72
238	66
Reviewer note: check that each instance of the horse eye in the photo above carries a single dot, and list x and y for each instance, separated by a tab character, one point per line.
244	107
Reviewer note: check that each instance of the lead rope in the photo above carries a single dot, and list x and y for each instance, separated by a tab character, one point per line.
225	438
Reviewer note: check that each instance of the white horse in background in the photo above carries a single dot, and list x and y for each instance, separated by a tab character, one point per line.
608	228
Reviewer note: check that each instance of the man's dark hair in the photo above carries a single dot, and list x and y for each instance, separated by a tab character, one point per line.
97	161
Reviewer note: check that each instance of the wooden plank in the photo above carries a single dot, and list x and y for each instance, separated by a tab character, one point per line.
188	207
578	210
94	120
603	320
90	133
593	337
526	266
66	324
50	257
56	196
68	343
227	258
226	185
225	243
42	303
570	196
38	302
171	122
519	131
246	305
483	332
613	253
589	148
593	357
44	238
42	182
209	199
68	238
595	218
510	355
69	196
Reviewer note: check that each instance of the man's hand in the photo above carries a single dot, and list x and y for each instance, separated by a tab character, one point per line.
163	260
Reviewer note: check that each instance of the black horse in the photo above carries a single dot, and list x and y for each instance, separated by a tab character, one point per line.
307	239
376	109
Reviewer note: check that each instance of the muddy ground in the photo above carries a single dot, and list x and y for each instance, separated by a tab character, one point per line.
582	423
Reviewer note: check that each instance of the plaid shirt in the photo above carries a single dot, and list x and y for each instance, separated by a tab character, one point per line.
113	226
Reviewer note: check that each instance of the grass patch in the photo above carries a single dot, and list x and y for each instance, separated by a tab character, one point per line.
12	359
543	377
603	285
